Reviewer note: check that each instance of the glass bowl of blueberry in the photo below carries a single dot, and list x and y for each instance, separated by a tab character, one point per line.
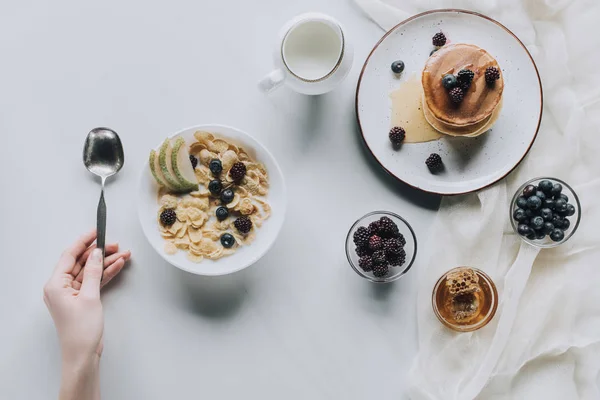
545	212
381	246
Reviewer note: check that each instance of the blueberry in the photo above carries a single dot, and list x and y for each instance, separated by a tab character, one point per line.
519	214
215	186
227	196
546	213
534	203
530	213
521	202
449	81
570	210
398	66
557	235
557	220
524	230
532	236
548	228
565	224
227	240
215	166
222	213
564	197
536	223
539	235
560	205
529	190
541	195
433	51
548	203
545	186
556	189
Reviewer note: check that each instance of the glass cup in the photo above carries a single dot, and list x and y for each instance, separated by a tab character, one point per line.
410	247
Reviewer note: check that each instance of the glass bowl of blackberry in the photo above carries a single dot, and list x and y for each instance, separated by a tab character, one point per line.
381	246
545	212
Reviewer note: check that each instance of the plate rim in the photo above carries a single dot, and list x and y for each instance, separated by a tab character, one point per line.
460	11
242	265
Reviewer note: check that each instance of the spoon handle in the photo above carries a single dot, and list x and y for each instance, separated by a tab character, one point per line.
101	223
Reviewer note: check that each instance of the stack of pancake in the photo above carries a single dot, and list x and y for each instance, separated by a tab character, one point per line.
482	102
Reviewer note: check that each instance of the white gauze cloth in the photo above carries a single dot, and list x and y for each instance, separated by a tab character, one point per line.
543	342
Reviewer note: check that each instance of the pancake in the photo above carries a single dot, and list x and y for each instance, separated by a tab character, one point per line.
473	130
480	100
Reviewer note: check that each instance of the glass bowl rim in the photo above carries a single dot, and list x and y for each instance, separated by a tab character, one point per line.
467	328
357	268
514	224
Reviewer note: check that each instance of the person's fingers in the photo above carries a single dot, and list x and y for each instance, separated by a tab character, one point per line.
109	249
107	262
92	274
109	272
112	271
67	260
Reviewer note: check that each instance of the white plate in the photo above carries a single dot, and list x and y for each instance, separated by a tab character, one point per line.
471	163
244	256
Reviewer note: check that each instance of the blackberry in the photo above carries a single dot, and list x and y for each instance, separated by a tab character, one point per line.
215	186
222	213
439	39
379	257
397	260
366	263
456	95
215	166
397	135
361	236
168	217
373	228
464	86
375	243
243	224
401	238
465	76
492	74
387	227
434	162
194	161
238	171
363	251
379	271
227	240
392	246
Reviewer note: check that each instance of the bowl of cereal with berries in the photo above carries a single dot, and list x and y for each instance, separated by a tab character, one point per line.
381	246
211	200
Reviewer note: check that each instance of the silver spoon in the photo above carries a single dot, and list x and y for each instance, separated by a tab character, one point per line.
103	156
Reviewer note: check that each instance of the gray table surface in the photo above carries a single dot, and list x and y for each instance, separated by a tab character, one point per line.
299	324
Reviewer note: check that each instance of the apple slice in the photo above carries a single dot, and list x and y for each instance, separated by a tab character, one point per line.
164	159
182	167
156	171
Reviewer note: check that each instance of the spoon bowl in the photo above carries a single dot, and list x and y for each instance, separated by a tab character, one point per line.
103	152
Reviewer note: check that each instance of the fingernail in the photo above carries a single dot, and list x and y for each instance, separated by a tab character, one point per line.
96	255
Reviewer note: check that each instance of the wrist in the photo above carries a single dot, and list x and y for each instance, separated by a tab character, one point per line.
80	378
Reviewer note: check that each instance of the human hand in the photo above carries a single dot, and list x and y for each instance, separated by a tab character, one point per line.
72	296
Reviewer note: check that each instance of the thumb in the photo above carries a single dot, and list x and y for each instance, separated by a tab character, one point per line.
92	274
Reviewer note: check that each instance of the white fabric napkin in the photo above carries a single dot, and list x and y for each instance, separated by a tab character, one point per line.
544	342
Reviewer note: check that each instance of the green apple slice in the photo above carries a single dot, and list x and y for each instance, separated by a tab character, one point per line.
180	160
156	172
164	159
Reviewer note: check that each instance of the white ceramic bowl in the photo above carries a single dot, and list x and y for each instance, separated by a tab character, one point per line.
244	256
